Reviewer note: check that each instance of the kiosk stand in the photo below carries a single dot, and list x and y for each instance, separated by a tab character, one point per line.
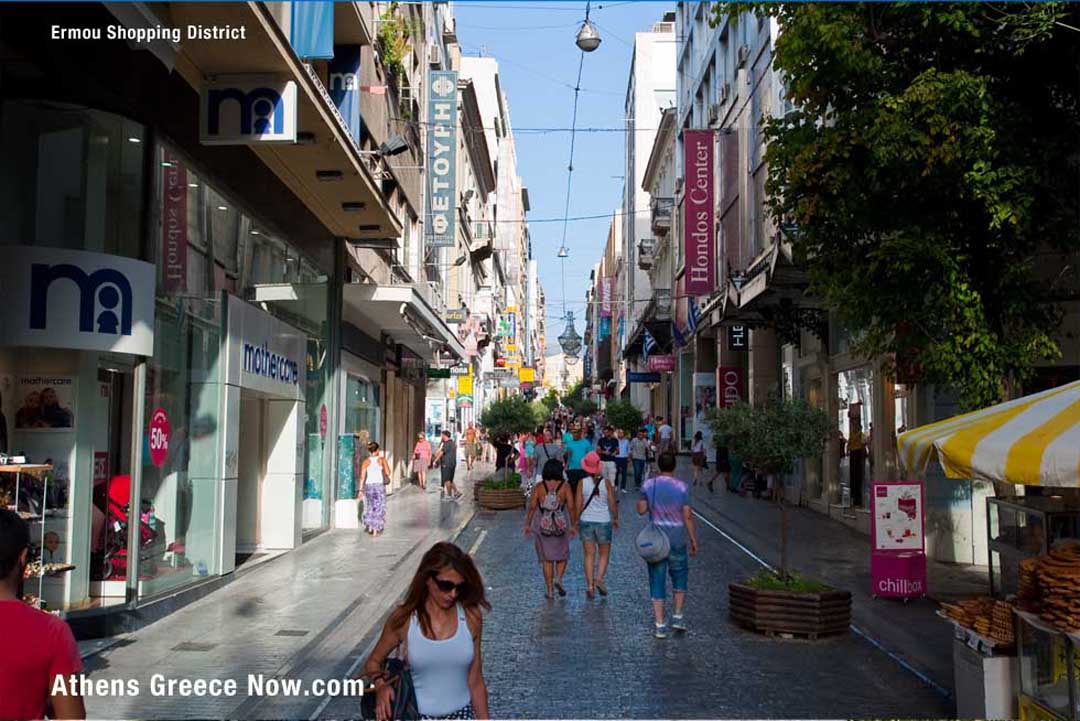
897	537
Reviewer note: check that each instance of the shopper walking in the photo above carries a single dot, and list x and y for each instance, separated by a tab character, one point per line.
697	457
608	450
666	436
446	457
505	455
666	500
440	625
421	459
40	650
550	519
622	459
573	452
545	451
374	477
639	454
598	517
471	439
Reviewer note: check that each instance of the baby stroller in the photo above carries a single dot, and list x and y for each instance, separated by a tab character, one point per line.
151	542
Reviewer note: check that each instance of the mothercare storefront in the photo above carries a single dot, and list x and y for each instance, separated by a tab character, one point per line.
147	319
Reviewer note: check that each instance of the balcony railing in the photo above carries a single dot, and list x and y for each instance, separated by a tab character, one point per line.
646	256
662	209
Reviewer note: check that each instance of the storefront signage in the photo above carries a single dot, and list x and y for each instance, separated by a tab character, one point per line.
158	437
637	377
248	109
662	363
731	386
456	316
345	86
509	382
464	385
464	401
436	373
265	353
442	157
57	298
738	338
174	224
607	286
698	222
897	536
461	370
527	375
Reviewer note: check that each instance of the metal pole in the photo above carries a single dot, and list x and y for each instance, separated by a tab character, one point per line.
138	419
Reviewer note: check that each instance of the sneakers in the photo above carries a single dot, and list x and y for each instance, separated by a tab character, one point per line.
661	631
457	496
678	623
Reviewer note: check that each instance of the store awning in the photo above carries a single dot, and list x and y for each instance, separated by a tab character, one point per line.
405	314
1033	440
353	207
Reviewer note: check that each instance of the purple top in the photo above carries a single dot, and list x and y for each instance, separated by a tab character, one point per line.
666	497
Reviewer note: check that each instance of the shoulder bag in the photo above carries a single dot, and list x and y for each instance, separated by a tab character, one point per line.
653	545
398	676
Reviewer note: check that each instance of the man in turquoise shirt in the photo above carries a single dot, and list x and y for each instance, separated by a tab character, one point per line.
574	452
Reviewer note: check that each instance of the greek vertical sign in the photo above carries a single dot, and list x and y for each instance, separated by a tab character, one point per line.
442	155
698	226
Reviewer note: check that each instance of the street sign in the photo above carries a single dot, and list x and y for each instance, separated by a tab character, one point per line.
438	372
738	338
456	316
635	377
461	371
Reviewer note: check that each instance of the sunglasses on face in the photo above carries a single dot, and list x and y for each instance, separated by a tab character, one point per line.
448	586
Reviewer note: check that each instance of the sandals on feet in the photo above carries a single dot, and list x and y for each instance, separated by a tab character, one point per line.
601	588
559	588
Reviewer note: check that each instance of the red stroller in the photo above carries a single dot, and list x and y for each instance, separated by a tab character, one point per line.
115	557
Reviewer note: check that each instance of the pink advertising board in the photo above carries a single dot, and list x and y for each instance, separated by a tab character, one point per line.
661	363
897	539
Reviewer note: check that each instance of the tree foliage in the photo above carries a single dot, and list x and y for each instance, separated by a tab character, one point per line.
930	166
771	438
624	415
508	416
550	401
575	400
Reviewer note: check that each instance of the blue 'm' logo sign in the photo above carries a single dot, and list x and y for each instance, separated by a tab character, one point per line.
259	108
107	288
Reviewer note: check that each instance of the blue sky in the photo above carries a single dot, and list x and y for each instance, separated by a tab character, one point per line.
538	63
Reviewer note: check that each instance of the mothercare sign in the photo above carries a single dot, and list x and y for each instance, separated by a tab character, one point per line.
265	354
58	298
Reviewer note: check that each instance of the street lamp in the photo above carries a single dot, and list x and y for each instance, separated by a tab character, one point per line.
564	252
588	37
570	340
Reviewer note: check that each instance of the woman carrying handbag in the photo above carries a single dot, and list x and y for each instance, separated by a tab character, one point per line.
374	477
439	624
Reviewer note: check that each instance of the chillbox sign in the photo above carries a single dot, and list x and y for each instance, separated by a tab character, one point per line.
60	298
247	109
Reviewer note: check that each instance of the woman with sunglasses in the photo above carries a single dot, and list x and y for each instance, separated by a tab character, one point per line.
374	475
440	624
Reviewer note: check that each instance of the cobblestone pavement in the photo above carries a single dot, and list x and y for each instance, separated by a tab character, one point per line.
576	658
299	616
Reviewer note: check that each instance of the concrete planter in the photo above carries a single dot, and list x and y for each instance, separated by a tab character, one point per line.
500	500
809	615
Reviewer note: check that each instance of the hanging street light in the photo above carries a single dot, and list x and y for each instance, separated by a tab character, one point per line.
564	252
588	37
570	341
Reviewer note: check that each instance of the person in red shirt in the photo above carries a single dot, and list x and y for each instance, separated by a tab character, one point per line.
44	646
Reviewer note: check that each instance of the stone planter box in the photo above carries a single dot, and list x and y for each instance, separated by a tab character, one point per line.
500	500
809	615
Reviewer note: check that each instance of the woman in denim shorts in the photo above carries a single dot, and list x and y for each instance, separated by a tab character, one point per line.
599	514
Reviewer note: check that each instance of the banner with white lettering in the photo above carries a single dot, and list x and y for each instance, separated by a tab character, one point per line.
442	158
699	212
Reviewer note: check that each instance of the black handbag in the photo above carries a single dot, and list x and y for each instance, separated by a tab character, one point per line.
398	676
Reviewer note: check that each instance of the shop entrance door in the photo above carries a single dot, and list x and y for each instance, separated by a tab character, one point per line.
112	483
251	470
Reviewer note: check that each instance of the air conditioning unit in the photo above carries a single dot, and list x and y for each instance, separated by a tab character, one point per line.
724	94
742	55
714	113
434	55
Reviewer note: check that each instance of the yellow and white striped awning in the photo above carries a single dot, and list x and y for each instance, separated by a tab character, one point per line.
1033	440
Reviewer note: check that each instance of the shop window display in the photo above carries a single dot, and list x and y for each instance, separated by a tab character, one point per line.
855	393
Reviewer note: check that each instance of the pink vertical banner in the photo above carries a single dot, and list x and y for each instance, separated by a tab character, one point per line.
898	539
699	219
607	285
730	389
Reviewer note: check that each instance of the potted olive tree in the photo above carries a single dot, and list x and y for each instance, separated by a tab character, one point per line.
503	418
769	440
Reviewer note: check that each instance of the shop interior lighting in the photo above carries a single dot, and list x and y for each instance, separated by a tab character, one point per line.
166	164
328	176
255	232
353	206
193	185
223	207
133	139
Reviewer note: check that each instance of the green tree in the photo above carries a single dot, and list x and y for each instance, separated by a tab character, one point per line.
550	401
508	417
575	400
927	175
623	414
770	439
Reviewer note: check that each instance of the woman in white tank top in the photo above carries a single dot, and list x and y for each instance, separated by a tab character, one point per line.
439	626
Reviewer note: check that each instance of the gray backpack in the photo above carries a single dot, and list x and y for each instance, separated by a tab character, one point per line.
652	543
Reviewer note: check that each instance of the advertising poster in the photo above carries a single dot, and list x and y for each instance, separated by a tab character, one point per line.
45	403
704	399
898	517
